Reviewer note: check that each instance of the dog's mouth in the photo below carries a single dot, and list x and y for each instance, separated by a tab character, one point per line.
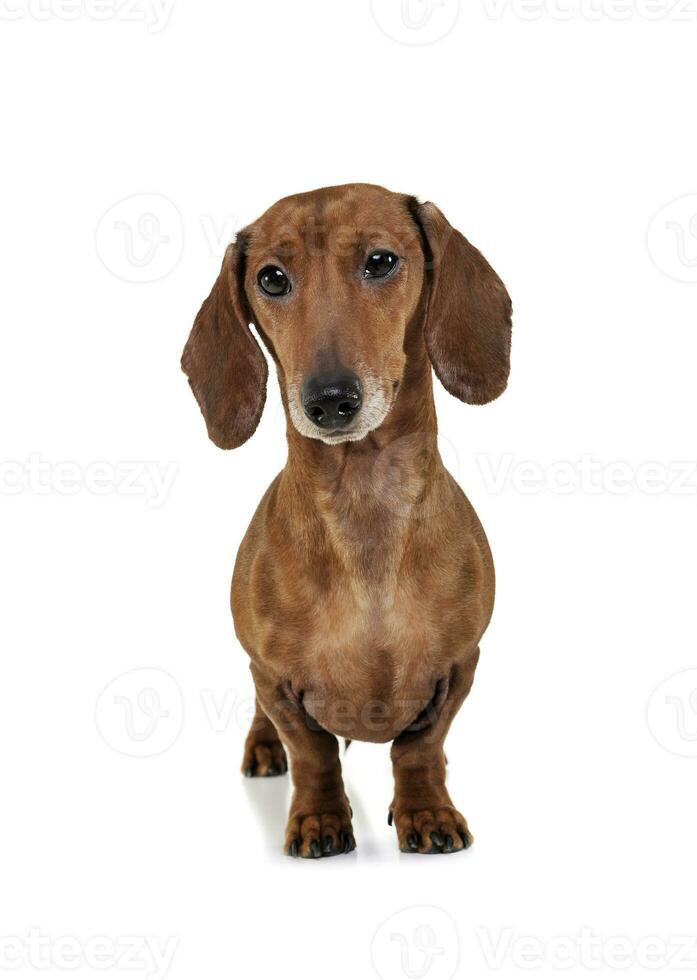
378	396
334	436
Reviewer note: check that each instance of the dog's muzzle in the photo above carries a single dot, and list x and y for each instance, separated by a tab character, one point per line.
332	402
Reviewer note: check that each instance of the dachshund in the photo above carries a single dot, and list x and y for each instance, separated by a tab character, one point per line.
365	582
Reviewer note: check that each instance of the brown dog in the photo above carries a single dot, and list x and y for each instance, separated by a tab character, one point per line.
364	583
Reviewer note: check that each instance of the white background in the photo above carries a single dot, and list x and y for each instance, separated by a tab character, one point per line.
551	136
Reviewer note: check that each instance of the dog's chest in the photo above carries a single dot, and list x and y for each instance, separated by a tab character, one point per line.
369	663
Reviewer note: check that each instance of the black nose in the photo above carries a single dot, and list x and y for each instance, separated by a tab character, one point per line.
331	402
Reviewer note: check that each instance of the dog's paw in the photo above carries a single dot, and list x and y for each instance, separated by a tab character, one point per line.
266	758
430	830
319	835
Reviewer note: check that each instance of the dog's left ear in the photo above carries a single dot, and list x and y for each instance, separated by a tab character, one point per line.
468	318
225	366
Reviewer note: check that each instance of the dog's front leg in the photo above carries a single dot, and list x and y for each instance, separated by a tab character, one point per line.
319	821
422	811
264	754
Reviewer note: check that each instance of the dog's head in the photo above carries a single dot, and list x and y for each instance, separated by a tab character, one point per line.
332	279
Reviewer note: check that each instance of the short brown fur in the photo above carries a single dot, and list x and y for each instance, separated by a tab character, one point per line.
364	583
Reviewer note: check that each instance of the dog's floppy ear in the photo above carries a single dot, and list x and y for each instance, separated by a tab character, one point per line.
468	318
225	366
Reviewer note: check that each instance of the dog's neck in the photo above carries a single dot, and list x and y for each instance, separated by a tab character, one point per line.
367	499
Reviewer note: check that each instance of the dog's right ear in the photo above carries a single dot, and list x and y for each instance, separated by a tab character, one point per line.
225	366
468	322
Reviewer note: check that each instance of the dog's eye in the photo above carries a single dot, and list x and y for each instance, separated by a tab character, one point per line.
380	264
273	281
